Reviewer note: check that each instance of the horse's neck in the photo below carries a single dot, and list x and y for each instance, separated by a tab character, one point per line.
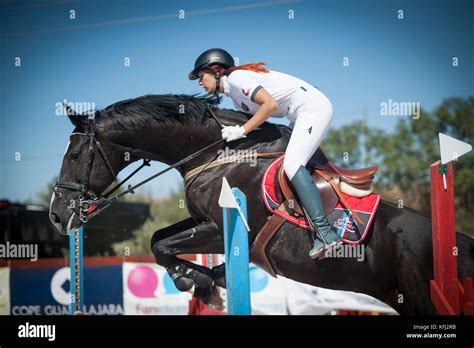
170	142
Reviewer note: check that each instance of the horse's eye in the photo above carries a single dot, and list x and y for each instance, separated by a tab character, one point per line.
75	155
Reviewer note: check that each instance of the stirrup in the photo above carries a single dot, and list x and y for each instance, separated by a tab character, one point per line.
218	276
327	246
316	236
317	254
333	246
321	254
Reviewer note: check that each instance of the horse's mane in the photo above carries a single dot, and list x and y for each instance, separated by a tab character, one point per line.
138	112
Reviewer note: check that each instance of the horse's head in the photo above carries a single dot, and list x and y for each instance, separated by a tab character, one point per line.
89	167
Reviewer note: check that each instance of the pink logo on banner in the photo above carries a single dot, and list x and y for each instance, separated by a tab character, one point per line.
142	281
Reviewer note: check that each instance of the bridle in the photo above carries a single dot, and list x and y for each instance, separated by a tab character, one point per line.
88	203
85	195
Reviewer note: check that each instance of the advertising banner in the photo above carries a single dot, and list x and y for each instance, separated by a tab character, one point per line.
149	290
46	291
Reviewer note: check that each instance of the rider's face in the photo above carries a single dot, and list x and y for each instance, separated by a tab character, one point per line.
207	81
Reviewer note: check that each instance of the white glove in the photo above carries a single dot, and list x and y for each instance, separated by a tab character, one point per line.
231	133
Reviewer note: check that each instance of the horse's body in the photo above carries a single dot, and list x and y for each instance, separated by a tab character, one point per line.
398	262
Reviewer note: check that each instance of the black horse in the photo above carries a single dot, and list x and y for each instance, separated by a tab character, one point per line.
398	262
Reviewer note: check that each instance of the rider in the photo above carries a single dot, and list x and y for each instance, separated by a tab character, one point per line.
264	93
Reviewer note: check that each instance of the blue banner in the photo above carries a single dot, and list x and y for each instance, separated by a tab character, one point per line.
46	291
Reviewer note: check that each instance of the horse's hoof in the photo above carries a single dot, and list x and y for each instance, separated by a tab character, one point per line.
218	275
183	284
210	297
200	279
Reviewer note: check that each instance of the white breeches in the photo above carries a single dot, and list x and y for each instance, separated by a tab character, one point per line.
313	115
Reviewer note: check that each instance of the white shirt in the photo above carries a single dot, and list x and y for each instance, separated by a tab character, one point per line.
242	86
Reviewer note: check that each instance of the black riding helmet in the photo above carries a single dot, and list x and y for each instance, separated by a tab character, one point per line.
211	57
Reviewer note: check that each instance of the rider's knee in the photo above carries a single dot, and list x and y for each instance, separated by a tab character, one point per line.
291	166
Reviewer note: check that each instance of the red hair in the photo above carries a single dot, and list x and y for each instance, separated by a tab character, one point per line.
256	67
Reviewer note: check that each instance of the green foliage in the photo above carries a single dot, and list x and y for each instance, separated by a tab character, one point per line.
342	145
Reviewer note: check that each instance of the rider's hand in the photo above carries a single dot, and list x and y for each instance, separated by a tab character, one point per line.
231	133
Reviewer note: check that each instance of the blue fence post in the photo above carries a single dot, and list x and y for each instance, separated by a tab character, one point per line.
237	257
77	270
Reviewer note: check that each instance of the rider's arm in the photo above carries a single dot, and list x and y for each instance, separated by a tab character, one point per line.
267	106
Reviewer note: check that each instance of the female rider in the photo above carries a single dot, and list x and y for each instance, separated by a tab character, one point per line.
264	93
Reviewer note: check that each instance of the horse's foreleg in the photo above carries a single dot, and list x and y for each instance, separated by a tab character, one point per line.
187	237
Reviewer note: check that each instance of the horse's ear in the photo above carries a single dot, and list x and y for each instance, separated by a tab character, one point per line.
75	118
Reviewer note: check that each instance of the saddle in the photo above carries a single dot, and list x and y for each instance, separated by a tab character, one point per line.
327	176
331	181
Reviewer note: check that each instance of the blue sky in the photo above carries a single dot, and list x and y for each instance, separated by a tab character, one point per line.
82	60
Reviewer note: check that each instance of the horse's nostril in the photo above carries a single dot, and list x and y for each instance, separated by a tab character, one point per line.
55	219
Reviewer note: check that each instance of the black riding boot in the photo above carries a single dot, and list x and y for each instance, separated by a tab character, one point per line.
324	236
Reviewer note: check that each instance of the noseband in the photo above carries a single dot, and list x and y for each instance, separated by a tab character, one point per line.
86	196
